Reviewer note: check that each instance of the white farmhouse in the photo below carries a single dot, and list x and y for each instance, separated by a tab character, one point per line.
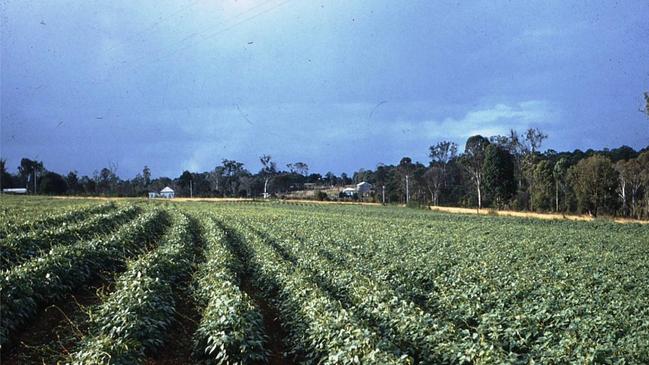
167	192
363	188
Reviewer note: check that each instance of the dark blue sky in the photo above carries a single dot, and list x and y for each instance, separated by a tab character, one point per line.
337	84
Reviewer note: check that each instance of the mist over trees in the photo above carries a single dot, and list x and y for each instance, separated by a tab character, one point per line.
503	172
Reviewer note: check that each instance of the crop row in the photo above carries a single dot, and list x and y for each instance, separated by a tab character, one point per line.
321	330
27	222
18	248
415	332
513	292
43	280
230	330
522	294
136	316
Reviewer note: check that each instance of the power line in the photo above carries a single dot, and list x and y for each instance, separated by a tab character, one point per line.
157	23
181	46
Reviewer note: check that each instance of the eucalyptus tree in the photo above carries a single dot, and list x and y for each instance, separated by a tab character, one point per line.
268	170
232	172
534	139
435	177
630	184
299	168
498	171
406	169
473	162
595	182
559	172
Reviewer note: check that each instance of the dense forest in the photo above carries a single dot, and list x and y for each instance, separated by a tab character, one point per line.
502	172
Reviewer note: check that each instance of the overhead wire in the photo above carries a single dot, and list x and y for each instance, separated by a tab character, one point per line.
181	45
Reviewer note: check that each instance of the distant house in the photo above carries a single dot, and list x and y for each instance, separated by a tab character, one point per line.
15	190
167	192
363	188
349	192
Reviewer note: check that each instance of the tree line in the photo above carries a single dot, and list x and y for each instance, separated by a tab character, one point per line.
502	172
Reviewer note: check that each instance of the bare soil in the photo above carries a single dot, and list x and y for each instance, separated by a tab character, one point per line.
272	325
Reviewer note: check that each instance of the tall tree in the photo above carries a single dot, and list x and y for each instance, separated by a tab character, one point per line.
630	184
595	181
383	180
268	170
331	178
624	176
185	182
216	178
53	183
541	192
89	185
534	138
442	152
72	180
643	162
433	180
517	147
435	177
114	181
233	171
300	168
106	181
406	169
345	179
559	172
146	176
29	172
6	180
473	161
501	141
498	173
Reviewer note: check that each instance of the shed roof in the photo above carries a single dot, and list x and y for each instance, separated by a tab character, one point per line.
167	190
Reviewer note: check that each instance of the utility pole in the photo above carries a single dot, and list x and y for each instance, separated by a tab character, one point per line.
191	189
34	180
383	193
556	196
407	190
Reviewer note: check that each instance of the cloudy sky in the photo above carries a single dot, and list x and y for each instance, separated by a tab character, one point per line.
338	84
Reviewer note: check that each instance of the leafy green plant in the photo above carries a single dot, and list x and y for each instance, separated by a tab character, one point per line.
135	317
18	248
230	330
26	287
321	330
29	221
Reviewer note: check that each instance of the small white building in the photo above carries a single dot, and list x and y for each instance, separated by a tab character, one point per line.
349	192
363	188
167	192
14	190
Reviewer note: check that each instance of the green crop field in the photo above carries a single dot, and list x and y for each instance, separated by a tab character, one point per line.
132	282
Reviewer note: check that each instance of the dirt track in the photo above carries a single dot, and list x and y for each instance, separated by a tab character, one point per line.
511	213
